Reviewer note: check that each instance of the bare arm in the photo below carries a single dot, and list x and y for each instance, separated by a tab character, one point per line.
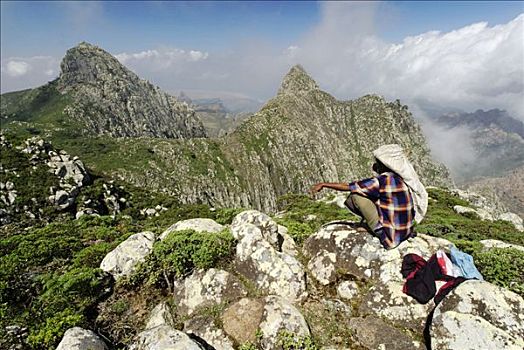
333	185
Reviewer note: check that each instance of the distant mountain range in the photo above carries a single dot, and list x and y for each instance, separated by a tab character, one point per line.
496	138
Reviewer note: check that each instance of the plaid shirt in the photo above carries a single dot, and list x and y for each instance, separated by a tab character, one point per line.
394	204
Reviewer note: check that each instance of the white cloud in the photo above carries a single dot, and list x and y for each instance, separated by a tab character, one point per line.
161	59
473	67
22	72
17	68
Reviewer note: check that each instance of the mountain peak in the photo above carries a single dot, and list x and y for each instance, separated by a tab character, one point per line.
297	81
87	63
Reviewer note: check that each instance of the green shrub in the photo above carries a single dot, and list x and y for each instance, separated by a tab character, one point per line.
52	330
225	216
289	341
297	208
503	267
442	221
180	253
78	288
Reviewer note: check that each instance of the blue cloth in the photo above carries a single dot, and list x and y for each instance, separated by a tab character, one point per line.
465	263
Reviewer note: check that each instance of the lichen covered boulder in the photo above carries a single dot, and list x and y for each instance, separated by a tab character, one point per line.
77	338
206	288
478	315
338	250
271	271
373	333
198	225
206	330
159	333
122	260
268	316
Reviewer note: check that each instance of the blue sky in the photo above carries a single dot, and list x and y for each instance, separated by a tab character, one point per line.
431	55
31	28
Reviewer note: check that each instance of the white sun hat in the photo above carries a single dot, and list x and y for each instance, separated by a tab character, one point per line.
393	157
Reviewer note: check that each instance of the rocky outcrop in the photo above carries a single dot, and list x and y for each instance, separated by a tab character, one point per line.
487	208
373	333
122	260
206	330
479	315
77	338
159	333
494	243
272	272
339	250
270	316
110	99
198	225
206	288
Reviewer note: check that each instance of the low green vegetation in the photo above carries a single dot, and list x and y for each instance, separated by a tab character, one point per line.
503	267
49	276
181	252
290	341
303	216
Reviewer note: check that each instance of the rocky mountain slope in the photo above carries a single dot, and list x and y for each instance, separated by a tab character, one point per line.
496	138
300	137
509	189
96	95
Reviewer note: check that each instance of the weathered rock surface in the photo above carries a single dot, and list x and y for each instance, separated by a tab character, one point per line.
487	208
159	333
242	319
110	99
122	260
479	315
493	243
198	225
348	290
77	338
272	272
206	288
373	333
270	315
205	329
265	224
280	315
341	250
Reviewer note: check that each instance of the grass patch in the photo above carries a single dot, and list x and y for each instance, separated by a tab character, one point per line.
304	216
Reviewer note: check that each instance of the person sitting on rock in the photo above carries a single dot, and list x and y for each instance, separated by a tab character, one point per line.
390	202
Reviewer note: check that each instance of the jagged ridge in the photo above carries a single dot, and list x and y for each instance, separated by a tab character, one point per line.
106	98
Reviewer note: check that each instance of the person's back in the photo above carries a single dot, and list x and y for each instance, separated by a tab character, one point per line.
394	204
390	202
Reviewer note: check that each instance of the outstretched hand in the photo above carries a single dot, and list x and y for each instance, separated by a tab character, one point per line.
316	188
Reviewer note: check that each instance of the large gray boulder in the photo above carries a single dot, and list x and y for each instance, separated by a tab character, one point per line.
198	225
479	315
266	225
206	288
269	316
122	260
374	333
494	243
77	338
339	250
271	271
205	329
159	333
